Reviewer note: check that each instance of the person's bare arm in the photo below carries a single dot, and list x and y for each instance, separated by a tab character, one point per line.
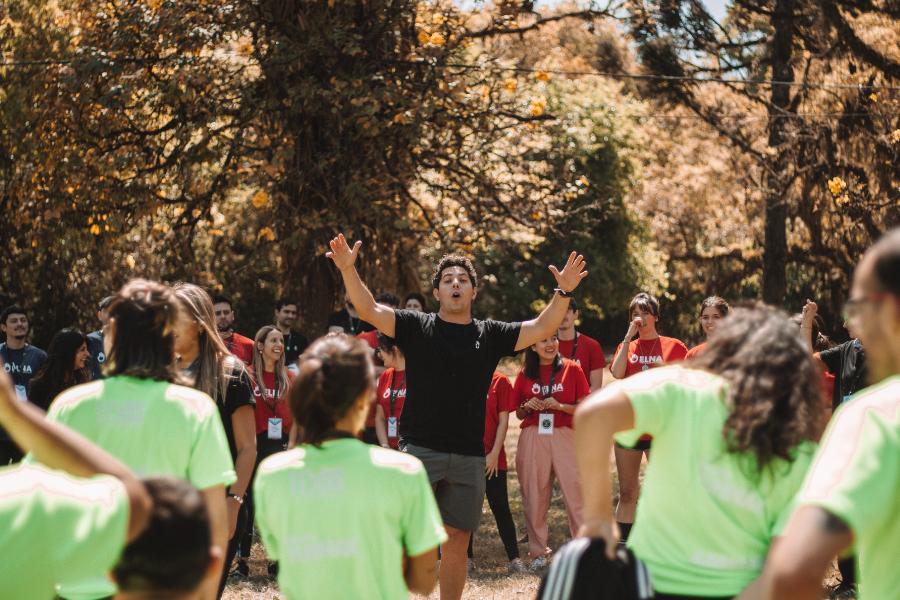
243	424
547	323
596	379
596	420
807	319
797	564
420	573
214	497
620	362
344	258
381	426
493	457
58	447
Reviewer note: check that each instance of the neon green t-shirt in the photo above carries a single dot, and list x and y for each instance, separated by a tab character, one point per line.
856	477
339	518
54	526
705	518
156	428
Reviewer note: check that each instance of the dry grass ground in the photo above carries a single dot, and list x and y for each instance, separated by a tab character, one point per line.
490	580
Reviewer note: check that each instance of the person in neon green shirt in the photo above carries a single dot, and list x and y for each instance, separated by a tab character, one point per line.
58	523
154	426
734	431
342	518
852	493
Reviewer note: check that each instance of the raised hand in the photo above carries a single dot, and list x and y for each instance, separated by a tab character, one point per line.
808	314
343	256
572	274
633	327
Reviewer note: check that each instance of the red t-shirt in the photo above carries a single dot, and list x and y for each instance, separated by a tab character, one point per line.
569	387
240	346
383	396
369	337
644	354
499	399
274	405
584	350
695	351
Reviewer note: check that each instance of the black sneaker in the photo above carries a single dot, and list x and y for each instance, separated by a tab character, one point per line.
241	569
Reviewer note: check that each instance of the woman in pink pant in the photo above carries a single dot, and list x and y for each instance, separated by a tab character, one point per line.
546	392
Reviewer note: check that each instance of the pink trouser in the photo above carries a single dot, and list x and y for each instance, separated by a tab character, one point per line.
538	459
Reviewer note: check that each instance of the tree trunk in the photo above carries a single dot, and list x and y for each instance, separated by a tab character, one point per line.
775	250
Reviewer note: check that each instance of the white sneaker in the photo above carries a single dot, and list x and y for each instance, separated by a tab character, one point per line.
517	566
539	564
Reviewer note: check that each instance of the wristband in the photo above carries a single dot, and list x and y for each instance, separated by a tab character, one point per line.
236	498
563	292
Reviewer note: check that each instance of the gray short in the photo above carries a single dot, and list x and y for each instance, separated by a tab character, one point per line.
458	482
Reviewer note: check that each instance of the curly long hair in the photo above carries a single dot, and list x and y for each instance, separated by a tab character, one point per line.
774	388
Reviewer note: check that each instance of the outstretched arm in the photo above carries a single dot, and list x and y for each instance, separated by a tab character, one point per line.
58	447
797	564
596	420
344	257
547	323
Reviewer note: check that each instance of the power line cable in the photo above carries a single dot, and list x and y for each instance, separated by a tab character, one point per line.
500	68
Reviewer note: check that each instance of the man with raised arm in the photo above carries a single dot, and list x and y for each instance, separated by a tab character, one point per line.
450	359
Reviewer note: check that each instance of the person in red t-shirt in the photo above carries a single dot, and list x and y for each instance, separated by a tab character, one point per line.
500	402
649	350
546	393
712	310
390	393
583	349
369	435
237	344
273	414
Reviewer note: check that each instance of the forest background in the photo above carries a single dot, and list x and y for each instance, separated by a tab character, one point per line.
225	141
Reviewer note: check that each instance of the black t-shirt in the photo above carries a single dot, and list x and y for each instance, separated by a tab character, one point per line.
238	393
22	365
294	345
98	356
350	325
847	362
448	372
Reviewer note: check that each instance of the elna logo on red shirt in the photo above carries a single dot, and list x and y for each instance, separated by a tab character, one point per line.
537	388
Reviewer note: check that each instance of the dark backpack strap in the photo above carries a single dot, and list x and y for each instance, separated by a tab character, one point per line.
564	570
581	569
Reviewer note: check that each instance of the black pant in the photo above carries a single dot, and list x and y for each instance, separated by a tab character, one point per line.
9	453
498	500
233	544
660	596
264	448
847	567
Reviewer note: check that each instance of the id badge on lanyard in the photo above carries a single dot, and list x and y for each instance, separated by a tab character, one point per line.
545	424
275	428
545	420
392	420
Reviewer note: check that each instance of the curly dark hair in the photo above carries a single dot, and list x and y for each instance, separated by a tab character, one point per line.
453	260
774	388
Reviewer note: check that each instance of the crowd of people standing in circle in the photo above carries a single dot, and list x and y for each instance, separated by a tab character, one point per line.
363	458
